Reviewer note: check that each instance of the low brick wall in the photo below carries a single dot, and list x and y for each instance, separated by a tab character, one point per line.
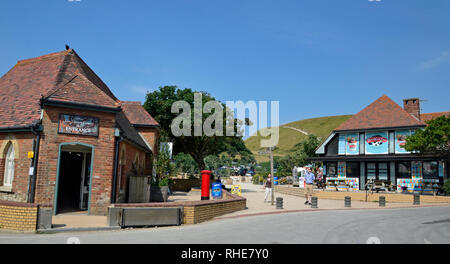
361	196
195	212
184	185
18	216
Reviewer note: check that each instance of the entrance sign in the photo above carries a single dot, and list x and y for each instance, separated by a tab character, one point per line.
377	142
78	125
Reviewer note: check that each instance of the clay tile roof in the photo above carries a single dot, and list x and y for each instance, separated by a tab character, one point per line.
137	115
429	116
61	76
383	113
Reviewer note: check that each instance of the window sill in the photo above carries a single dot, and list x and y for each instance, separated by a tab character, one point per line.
7	189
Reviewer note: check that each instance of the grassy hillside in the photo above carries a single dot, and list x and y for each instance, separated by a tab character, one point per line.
289	136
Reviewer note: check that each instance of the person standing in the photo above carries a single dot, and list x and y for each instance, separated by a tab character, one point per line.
309	180
268	186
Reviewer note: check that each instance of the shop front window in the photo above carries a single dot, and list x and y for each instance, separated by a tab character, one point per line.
404	169
430	170
331	170
353	170
382	171
371	170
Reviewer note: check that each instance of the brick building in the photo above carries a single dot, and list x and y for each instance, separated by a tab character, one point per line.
369	146
66	140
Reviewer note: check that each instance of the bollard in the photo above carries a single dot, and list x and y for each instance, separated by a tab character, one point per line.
416	199
382	201
348	201
279	203
314	203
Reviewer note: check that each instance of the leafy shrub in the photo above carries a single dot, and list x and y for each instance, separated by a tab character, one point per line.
447	187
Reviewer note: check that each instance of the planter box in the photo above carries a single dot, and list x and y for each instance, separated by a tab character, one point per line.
159	194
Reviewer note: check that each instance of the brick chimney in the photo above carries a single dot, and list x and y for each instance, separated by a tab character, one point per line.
412	106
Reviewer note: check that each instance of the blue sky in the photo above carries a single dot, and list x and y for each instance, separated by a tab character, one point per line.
317	57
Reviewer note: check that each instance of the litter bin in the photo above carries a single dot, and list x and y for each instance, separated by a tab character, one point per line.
275	180
216	190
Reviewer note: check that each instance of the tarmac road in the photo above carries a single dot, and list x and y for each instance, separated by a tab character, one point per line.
387	226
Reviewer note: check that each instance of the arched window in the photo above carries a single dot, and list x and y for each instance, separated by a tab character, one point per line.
9	166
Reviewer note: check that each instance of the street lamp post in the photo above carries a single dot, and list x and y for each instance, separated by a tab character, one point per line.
271	173
269	150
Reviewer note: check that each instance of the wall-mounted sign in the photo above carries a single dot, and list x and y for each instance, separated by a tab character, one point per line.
400	141
352	144
349	144
78	125
377	142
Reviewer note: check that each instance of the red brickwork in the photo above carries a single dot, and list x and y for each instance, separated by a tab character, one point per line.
103	157
23	144
151	135
128	155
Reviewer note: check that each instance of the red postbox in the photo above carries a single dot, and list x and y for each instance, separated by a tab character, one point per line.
206	180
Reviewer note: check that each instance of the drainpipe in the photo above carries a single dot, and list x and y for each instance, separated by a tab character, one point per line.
116	164
32	187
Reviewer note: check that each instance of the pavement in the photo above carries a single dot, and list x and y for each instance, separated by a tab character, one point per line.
255	206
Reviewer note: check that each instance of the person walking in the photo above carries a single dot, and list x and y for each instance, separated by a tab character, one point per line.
309	180
268	186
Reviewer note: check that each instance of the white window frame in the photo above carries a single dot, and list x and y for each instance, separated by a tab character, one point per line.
8	176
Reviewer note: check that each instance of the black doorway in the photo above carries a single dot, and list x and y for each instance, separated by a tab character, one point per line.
70	173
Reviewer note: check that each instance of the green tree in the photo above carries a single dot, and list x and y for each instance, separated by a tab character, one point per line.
212	162
164	167
159	105
434	139
185	163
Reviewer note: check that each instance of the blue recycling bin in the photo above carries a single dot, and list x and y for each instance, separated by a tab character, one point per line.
216	190
275	180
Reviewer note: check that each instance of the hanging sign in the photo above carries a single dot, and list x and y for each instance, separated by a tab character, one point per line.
377	142
78	125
